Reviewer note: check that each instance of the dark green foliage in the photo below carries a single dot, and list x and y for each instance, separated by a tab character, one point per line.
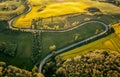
36	53
115	2
23	41
99	63
8	48
3	25
12	71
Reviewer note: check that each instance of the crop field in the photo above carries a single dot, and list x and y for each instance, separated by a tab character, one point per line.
57	15
25	21
111	42
45	8
24	44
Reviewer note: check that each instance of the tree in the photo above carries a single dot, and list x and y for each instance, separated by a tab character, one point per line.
52	47
34	70
99	63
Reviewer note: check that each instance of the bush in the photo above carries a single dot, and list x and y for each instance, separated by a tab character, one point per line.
12	71
8	48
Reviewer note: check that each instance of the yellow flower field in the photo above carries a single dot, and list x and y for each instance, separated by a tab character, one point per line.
53	9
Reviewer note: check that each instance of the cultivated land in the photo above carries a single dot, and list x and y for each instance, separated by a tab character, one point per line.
59	39
25	21
43	9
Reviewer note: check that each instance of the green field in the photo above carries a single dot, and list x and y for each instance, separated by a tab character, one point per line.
24	43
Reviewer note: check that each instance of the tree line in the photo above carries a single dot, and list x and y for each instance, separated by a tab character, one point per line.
12	71
115	2
37	40
8	48
100	63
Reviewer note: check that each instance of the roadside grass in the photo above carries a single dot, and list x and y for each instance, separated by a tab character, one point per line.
24	43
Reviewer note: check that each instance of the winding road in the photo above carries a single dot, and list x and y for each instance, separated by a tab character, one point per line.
63	49
11	21
75	44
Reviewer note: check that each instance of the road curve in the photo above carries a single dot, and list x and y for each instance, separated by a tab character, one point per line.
11	21
63	49
75	44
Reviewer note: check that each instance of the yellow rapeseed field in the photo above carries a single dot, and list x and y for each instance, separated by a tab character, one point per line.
117	28
53	9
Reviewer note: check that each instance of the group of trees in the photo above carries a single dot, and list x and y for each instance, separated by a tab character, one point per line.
115	2
36	46
56	22
10	0
99	63
8	48
12	71
12	8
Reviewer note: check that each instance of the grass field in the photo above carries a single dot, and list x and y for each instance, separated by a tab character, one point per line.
24	43
111	42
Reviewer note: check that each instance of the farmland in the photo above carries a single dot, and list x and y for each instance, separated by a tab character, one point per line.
25	21
35	35
51	9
